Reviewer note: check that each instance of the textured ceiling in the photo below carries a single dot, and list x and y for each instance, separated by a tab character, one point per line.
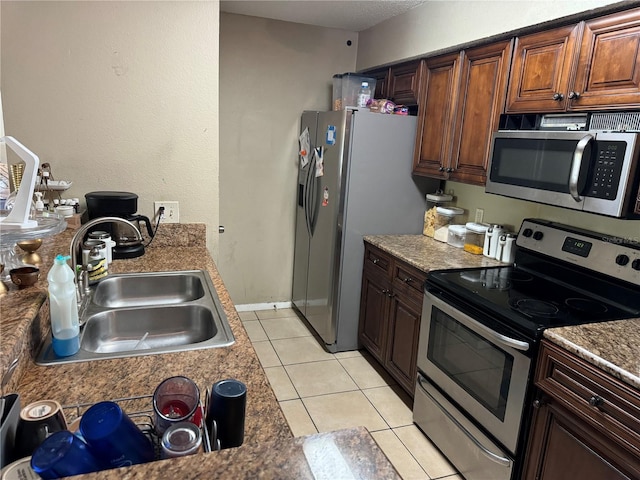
348	15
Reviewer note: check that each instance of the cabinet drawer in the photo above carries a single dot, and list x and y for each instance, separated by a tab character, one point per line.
409	280
595	396
376	260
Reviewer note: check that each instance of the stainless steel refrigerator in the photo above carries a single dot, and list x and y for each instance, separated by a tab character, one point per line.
365	187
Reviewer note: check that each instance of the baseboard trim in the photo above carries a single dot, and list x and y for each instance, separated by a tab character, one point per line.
263	306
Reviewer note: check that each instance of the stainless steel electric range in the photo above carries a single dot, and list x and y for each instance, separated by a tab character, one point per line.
481	328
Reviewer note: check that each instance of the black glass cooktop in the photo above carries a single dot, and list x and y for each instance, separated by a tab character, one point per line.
531	302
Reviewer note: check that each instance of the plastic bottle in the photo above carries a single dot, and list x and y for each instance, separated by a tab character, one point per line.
364	95
65	326
39	202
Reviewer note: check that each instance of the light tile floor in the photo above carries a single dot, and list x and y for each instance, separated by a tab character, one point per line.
320	391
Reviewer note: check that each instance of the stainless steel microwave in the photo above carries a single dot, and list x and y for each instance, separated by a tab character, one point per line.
591	171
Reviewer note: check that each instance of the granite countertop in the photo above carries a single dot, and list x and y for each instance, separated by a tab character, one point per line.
343	454
612	346
427	254
25	320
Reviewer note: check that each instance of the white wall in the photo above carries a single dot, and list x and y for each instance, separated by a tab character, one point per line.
436	25
118	96
270	71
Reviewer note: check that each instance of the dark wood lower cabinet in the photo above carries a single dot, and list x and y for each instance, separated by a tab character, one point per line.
390	313
402	343
585	424
373	306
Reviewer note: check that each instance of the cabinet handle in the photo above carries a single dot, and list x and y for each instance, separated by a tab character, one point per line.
441	168
559	97
574	95
407	280
449	170
539	402
596	401
376	261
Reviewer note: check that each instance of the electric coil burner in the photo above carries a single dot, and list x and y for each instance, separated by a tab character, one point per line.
481	328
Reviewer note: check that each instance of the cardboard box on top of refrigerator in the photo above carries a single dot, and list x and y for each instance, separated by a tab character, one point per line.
346	87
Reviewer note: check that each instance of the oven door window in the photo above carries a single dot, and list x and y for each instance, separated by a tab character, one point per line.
542	164
479	367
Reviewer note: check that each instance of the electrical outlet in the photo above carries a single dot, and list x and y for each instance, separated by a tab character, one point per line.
171	211
479	215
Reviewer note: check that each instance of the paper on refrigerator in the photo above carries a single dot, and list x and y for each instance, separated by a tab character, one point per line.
305	145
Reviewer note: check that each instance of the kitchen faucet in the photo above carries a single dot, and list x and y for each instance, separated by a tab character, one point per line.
81	275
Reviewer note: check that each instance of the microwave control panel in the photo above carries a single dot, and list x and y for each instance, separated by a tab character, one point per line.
607	169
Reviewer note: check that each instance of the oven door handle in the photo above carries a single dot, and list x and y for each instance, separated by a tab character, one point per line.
440	300
505	462
503	339
575	176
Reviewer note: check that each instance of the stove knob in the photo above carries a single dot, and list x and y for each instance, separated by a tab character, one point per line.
527	232
538	235
622	260
636	264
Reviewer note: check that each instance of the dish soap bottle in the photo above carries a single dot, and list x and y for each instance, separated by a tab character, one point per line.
65	326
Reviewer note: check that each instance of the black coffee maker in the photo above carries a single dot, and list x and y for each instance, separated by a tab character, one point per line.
124	205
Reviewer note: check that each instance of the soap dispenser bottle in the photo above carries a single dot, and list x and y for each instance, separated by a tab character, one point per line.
65	326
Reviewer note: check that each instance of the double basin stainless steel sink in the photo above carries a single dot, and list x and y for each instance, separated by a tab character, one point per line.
148	313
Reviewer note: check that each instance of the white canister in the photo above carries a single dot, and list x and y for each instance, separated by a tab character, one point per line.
491	240
506	251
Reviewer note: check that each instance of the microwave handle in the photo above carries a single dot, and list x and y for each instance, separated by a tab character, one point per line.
576	167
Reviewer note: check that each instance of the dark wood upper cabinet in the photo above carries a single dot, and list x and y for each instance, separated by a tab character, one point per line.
594	65
435	116
461	103
542	66
608	73
404	83
398	83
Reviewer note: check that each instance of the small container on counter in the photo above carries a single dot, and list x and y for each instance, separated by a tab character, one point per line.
506	251
456	235
474	241
491	240
444	217
430	215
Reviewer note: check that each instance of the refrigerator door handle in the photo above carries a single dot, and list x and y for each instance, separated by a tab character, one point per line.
314	197
307	196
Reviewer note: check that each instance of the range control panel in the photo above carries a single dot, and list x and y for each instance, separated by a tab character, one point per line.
602	253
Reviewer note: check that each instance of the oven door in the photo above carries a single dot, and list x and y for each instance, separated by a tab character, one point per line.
483	371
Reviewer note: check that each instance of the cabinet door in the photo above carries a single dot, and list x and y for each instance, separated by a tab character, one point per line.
483	87
404	83
432	153
562	448
542	67
374	306
608	74
382	82
402	343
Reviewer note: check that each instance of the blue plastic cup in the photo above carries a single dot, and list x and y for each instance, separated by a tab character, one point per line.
113	437
63	455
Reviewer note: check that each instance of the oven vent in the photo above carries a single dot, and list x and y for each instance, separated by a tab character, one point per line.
616	121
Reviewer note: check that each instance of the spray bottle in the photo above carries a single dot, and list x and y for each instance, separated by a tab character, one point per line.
65	326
